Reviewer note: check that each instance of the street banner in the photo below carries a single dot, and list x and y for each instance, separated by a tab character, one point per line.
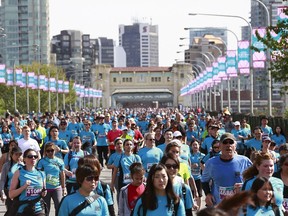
231	63
261	55
35	82
60	86
42	82
82	91
221	66
244	57
66	86
52	84
46	84
24	80
2	73
86	92
31	83
10	74
18	78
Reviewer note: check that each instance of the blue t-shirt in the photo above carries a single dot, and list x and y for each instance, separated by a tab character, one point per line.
125	162
278	187
279	140
65	135
267	130
6	137
52	168
97	208
34	190
107	195
257	144
207	143
162	147
161	210
73	163
112	157
11	172
101	131
260	211
74	128
188	198
196	158
150	156
224	175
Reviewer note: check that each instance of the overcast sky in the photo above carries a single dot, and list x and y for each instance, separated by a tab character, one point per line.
102	18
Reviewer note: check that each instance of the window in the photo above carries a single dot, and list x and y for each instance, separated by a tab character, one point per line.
114	79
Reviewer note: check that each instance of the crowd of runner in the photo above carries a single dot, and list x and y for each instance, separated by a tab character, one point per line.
162	161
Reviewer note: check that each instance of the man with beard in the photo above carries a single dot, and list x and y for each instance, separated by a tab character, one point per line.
225	171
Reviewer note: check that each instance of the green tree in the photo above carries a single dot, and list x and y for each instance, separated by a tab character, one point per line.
7	93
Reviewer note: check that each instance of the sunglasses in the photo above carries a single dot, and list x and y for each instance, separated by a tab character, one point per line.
231	142
215	147
119	143
32	156
63	124
169	166
91	178
50	150
151	140
86	125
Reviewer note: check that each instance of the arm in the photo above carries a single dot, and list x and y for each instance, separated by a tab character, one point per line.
2	160
62	182
4	173
14	191
114	175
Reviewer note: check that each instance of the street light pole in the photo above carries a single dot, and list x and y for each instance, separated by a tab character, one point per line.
268	63
251	66
15	90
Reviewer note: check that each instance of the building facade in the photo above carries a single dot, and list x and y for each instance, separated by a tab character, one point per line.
26	25
140	42
142	86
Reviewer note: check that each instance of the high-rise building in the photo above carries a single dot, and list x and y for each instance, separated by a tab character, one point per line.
140	42
26	25
76	53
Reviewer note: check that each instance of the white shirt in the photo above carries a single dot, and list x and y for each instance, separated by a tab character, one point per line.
28	144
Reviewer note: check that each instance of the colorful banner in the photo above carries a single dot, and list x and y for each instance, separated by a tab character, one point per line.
60	86
2	73
66	87
18	77
52	85
42	85
222	66
31	83
261	55
46	84
244	56
24	80
10	77
231	62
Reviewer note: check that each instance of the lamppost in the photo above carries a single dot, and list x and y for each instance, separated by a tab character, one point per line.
267	63
251	66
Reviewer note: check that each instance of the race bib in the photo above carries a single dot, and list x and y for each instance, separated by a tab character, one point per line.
285	203
195	171
226	192
73	171
33	191
52	180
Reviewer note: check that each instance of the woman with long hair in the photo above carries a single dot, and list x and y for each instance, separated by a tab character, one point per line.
7	173
5	157
6	136
30	185
122	164
159	197
283	175
263	166
182	190
278	137
55	177
262	199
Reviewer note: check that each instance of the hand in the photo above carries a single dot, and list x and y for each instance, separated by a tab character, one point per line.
69	173
112	188
3	197
209	200
64	192
195	207
28	182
